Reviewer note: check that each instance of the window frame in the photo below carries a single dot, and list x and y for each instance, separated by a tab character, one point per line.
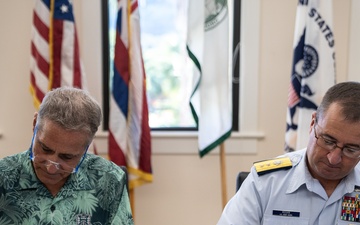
244	141
235	69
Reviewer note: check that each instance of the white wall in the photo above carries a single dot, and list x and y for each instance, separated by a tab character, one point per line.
186	189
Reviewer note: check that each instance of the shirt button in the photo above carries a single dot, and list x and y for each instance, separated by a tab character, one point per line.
52	208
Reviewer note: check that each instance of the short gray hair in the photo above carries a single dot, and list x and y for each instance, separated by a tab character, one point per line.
347	95
71	108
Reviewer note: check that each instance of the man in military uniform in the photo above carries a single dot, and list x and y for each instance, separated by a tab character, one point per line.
316	185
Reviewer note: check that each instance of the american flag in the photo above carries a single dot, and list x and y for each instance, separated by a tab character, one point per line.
55	57
129	132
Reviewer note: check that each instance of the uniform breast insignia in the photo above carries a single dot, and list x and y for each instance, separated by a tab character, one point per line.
350	208
271	165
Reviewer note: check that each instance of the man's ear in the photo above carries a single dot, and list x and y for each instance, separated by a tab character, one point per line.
34	120
313	120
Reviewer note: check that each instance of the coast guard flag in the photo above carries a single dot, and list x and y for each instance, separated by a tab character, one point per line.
313	69
208	48
129	132
55	57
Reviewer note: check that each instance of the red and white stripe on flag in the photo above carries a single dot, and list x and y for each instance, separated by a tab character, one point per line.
129	131
55	57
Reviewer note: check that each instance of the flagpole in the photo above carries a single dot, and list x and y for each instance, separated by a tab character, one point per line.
132	202
223	174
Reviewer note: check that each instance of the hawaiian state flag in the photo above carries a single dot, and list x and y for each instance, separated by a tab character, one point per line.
55	57
313	69
208	48
129	132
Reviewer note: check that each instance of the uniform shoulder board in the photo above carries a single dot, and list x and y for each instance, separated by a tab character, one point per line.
267	166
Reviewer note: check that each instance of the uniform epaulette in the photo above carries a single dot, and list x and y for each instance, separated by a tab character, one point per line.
271	165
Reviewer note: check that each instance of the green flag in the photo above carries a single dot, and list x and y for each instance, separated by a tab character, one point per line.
208	48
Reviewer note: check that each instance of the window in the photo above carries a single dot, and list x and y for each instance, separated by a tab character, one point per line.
163	39
94	29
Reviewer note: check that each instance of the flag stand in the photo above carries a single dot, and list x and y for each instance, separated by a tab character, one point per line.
132	202
223	174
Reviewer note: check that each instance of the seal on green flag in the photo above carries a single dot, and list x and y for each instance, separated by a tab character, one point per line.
215	12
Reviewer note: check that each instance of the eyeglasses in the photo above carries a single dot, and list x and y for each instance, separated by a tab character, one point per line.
330	145
61	167
42	160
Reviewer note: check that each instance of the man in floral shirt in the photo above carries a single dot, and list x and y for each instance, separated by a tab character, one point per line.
55	181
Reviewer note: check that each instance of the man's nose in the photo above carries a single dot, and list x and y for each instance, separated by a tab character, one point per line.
52	167
335	155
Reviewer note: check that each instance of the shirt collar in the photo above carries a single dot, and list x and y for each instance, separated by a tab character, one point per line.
27	176
29	180
300	177
352	181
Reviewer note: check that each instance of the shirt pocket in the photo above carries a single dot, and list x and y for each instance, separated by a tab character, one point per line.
284	220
